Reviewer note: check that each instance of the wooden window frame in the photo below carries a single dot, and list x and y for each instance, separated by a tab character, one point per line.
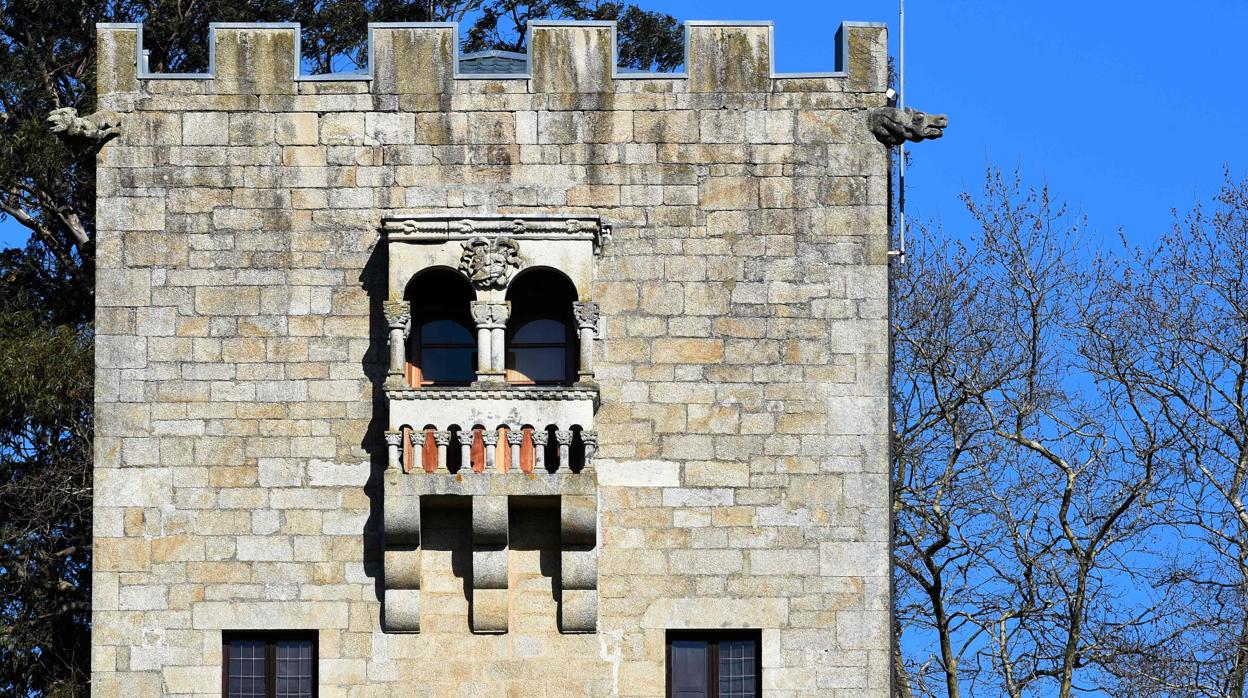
712	638
270	639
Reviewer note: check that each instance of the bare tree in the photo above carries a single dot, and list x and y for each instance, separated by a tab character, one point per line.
1022	503
1175	328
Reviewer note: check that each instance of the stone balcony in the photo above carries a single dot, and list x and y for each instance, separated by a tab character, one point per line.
488	444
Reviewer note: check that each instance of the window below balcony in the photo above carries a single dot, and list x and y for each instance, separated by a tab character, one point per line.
714	664
269	664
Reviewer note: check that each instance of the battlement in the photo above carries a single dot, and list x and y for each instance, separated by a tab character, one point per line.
564	57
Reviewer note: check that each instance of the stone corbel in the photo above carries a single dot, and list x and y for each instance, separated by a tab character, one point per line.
489	564
578	524
398	320
402	561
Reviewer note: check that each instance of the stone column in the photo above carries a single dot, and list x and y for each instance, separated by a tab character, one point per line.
540	438
490	437
587	327
465	451
398	319
417	437
394	444
564	438
515	437
491	321
443	439
590	439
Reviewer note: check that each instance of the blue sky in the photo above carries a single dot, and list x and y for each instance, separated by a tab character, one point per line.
1126	109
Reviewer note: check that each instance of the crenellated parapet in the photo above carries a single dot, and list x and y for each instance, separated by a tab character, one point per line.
424	59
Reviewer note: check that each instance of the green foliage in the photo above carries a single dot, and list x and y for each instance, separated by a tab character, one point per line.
45	483
648	40
47	61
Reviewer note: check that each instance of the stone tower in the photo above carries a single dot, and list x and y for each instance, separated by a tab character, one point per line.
561	381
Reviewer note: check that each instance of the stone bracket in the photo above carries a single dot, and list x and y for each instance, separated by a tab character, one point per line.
402	561
578	573
489	564
489	605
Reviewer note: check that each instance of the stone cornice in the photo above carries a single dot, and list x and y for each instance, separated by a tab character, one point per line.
442	228
507	393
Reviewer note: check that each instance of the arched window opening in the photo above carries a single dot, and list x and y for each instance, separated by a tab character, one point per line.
542	342
442	346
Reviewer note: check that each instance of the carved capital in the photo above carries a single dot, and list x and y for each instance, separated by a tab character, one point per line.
490	437
417	437
892	126
442	438
490	315
563	437
540	438
590	439
586	315
515	437
398	313
394	438
490	262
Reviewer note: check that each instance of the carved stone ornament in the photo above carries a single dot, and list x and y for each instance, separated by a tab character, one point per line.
486	314
490	263
93	129
397	314
586	314
892	126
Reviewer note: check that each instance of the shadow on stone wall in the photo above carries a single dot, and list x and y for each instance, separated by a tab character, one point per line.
373	281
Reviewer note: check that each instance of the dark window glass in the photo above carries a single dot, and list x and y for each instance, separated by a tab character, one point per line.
713	664
445	332
442	346
269	664
247	668
294	669
541	337
542	332
691	665
447	364
540	364
737	673
539	352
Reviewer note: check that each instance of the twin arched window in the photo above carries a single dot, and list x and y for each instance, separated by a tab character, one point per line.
541	340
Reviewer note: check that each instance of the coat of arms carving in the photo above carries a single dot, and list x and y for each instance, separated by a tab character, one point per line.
490	263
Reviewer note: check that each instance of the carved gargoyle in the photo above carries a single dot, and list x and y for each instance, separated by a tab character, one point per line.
892	126
93	129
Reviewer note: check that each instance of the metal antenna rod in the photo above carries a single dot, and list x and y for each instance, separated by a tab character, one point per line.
901	164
